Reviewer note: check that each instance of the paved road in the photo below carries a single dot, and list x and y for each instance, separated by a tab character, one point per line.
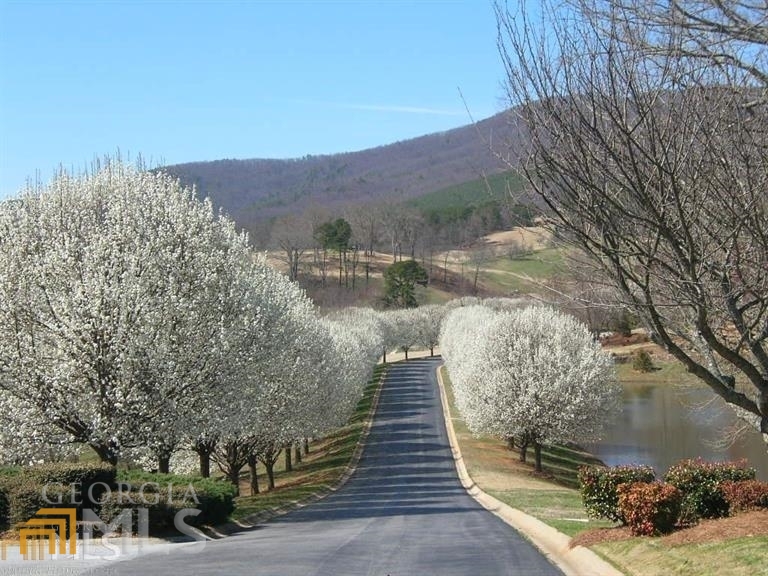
403	513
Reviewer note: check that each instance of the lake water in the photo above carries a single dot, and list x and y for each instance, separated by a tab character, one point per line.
663	424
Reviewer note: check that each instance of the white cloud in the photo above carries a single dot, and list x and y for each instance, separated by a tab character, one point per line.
388	108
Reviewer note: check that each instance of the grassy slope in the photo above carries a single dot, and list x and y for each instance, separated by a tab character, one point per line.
506	274
652	557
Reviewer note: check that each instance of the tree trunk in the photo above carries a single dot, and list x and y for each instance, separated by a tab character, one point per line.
204	448
288	462
205	464
537	453
234	477
268	454
406	354
523	450
297	452
511	442
231	457
306	446
431	351
106	451
164	464
253	474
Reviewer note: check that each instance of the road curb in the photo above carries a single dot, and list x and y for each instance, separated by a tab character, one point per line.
265	515
555	545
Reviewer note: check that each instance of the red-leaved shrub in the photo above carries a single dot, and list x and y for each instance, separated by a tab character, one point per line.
745	495
650	508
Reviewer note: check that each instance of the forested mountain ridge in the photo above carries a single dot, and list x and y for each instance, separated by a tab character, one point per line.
254	190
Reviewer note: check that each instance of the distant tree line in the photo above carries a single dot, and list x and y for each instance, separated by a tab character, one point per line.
347	237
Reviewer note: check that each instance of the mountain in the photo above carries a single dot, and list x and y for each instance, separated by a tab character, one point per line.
252	191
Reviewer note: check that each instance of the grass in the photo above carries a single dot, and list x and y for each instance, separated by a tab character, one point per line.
561	509
651	557
322	468
666	372
505	274
541	264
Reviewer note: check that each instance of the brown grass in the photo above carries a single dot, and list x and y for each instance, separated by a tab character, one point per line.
744	525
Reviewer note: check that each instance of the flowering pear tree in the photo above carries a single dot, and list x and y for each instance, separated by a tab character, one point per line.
114	294
428	320
461	346
533	374
261	406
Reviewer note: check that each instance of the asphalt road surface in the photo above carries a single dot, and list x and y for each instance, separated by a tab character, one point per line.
403	513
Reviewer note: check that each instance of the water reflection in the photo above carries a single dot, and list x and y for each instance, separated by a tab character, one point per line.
662	424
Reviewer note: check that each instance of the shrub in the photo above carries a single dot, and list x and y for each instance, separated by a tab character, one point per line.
26	490
699	481
90	480
71	473
26	496
215	496
651	508
161	504
745	495
599	485
641	362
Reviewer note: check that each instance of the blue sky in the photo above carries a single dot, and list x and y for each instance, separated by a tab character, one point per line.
185	81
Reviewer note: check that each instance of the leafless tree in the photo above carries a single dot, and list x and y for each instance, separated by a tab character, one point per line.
366	229
647	142
292	235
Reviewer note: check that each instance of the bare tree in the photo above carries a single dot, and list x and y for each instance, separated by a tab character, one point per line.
656	167
293	236
718	33
366	229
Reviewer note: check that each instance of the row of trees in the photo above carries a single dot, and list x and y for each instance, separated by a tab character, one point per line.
136	321
305	241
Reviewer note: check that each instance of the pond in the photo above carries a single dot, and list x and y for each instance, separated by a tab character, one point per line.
664	423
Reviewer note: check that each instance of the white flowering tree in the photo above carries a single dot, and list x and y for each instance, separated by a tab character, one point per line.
357	342
428	320
114	295
533	374
261	404
462	346
401	329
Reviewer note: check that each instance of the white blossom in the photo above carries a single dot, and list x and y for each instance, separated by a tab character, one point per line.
532	372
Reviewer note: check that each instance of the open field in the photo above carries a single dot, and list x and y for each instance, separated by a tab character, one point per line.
507	263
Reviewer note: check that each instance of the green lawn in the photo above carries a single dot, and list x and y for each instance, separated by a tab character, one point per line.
505	275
